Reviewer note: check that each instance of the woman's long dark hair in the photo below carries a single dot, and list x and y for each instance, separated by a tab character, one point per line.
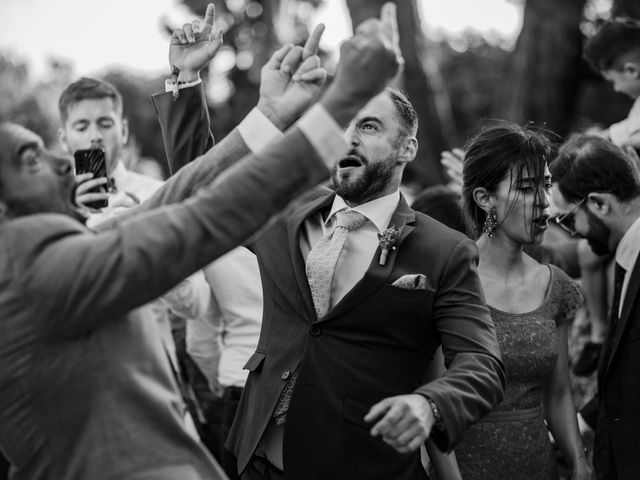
496	152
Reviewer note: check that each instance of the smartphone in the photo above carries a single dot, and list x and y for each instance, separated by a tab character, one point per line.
93	160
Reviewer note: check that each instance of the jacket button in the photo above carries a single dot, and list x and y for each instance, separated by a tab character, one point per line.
285	375
315	331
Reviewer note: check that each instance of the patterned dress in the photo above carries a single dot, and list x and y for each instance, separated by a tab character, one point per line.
512	442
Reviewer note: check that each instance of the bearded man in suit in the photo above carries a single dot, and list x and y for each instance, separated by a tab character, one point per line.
597	194
336	386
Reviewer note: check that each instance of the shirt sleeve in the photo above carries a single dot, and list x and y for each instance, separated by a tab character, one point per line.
324	134
190	298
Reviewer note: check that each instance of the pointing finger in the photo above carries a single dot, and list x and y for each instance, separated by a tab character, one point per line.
313	42
210	14
389	21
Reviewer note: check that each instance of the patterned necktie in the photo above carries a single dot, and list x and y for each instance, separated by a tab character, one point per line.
321	263
322	259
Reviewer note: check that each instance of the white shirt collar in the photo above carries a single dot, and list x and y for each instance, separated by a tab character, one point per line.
378	211
629	247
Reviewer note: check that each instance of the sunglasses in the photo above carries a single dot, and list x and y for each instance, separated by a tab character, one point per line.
566	220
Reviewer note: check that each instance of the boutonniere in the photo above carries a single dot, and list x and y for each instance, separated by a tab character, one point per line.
387	242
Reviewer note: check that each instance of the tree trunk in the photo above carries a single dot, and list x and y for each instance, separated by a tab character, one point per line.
545	67
425	170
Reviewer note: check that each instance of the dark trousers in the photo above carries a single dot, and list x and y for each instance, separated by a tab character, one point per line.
260	469
230	401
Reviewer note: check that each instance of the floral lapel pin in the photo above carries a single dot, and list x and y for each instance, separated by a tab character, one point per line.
387	242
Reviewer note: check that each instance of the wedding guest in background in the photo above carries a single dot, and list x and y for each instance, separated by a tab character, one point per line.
605	209
506	188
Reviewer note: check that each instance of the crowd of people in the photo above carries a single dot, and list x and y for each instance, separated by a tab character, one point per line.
341	332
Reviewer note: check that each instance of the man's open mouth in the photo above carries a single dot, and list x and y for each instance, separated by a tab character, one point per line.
350	161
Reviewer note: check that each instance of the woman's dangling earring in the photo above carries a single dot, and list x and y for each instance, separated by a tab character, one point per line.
490	223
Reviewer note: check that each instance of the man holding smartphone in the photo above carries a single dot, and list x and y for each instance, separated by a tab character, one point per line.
95	131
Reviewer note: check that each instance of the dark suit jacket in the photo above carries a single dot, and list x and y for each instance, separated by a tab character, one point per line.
86	390
376	342
619	387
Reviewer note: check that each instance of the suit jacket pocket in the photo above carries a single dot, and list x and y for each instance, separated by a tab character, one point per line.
354	411
255	361
405	293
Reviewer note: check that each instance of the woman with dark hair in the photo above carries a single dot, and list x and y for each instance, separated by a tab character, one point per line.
505	201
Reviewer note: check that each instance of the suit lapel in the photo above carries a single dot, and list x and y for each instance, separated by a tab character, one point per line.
629	299
377	274
294	227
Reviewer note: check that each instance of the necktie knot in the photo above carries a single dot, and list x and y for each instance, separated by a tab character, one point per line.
349	220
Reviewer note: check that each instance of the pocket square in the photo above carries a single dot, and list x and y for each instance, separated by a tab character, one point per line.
412	281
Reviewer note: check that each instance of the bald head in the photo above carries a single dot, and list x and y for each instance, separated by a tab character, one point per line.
32	179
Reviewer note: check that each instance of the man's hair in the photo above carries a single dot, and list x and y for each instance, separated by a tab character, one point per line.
492	155
405	112
616	40
588	164
87	89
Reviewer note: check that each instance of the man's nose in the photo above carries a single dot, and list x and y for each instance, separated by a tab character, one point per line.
351	137
95	135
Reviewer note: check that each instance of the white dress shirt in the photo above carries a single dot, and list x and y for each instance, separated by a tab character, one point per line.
360	245
232	324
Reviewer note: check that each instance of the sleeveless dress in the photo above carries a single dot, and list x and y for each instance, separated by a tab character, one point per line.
512	442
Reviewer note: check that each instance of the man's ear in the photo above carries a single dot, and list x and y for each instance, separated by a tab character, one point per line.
62	138
125	131
483	198
600	203
408	150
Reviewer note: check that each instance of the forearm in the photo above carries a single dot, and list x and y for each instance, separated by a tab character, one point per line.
561	418
189	136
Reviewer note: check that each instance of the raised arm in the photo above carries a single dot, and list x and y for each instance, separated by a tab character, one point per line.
85	279
191	48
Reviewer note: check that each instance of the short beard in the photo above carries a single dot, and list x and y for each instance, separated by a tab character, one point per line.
598	235
374	180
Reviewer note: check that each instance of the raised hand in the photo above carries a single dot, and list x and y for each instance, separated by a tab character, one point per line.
368	62
404	421
290	80
194	45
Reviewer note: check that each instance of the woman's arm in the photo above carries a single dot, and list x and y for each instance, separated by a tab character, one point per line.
560	411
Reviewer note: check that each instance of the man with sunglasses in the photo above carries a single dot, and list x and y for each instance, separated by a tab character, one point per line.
597	192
